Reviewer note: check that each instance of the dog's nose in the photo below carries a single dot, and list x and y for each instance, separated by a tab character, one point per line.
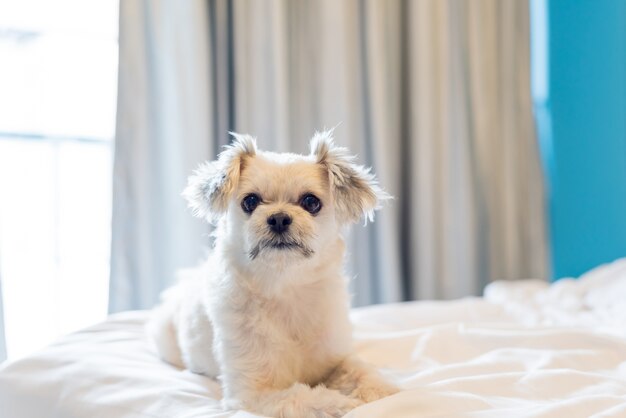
279	222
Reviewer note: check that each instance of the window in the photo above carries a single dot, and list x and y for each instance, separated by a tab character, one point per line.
58	88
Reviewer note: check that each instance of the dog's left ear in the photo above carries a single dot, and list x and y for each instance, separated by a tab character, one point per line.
212	184
354	188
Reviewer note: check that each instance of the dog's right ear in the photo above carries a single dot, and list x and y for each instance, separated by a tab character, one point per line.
212	184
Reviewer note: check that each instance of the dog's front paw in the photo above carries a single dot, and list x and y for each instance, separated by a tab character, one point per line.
320	402
371	393
302	401
336	407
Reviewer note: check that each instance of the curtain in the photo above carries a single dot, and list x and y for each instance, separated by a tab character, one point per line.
3	346
164	128
433	94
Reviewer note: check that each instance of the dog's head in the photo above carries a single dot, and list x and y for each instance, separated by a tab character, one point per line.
279	206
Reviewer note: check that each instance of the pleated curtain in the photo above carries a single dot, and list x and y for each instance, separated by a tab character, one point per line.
433	94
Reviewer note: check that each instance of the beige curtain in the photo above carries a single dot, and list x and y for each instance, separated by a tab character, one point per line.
434	94
165	125
3	347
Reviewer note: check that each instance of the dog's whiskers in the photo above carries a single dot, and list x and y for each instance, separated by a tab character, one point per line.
291	244
255	251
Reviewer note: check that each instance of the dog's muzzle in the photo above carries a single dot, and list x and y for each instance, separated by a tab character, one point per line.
280	243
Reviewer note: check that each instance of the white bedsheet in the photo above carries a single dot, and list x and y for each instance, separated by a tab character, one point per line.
525	350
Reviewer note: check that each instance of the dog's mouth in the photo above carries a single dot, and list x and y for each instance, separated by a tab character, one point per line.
285	245
280	245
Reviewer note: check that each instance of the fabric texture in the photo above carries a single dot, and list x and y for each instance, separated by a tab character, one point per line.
433	94
164	129
3	346
524	350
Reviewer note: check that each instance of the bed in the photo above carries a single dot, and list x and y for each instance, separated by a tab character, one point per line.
525	349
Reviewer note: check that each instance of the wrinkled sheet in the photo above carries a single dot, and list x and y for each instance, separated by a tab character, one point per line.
526	349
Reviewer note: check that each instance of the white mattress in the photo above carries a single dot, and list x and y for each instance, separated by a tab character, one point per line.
525	350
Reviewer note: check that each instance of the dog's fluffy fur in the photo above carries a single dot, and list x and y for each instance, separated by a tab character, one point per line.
268	313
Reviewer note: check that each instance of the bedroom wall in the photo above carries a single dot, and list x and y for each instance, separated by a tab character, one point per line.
579	86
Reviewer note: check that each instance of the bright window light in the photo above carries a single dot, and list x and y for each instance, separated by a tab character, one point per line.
58	84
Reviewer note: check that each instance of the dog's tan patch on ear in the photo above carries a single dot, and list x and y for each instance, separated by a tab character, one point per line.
212	184
244	144
321	143
355	189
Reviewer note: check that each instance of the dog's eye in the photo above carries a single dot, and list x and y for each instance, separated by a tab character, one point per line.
311	204
250	202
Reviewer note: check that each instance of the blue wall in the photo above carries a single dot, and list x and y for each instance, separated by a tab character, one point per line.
581	116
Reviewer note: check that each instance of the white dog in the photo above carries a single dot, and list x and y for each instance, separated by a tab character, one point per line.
268	312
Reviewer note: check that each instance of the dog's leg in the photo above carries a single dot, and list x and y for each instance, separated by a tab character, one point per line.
358	380
162	330
298	401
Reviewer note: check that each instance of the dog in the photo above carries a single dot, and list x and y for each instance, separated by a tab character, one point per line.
267	313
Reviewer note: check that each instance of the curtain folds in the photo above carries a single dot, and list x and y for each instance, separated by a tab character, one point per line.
164	128
434	94
3	346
